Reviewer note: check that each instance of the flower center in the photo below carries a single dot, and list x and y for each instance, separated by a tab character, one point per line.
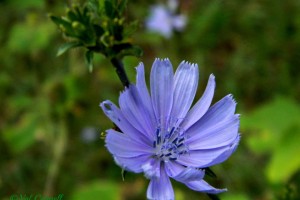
169	143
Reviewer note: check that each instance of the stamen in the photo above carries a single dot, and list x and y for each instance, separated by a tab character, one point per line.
179	145
172	130
169	143
168	154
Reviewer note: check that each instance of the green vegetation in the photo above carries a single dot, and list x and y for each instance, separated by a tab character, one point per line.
252	47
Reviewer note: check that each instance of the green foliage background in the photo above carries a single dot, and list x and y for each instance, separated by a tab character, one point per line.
252	47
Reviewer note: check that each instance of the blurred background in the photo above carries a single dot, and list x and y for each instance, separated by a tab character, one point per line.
51	123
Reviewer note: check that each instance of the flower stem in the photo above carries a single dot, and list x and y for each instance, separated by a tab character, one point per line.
118	65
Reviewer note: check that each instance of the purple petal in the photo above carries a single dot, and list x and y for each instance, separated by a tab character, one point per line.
221	158
185	86
208	157
160	21
221	134
173	168
121	145
216	114
133	164
190	174
144	93
203	186
152	168
179	22
183	174
160	188
162	89
115	115
133	108
200	108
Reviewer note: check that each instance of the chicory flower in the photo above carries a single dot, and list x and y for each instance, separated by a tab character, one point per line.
163	20
162	137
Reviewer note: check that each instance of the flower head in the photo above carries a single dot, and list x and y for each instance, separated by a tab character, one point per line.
162	137
163	19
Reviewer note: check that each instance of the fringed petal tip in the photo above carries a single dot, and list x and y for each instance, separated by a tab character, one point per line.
189	64
161	60
212	77
231	98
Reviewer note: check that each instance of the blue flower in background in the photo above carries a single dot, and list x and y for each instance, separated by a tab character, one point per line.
162	137
163	20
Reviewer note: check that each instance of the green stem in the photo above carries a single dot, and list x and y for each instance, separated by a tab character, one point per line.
118	65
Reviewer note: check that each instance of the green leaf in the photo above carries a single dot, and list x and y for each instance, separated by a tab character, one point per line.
22	135
72	15
66	46
122	6
130	28
285	160
100	189
276	130
30	37
60	21
269	122
133	50
109	9
98	30
89	59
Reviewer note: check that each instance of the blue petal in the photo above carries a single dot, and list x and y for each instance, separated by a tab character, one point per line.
160	188
183	174
200	108
161	82
121	145
203	186
152	168
144	93
218	113
160	21
221	134
115	115
190	174
185	86
208	157
133	108
133	164
224	156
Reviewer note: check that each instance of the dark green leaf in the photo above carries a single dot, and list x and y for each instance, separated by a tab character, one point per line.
122	6
98	30
65	25
109	9
131	28
72	16
60	21
66	46
133	50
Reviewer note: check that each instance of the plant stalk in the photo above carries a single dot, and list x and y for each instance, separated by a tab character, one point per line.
118	65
